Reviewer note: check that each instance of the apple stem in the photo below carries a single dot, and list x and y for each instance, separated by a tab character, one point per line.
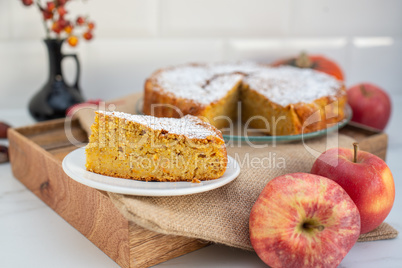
364	91
356	149
311	226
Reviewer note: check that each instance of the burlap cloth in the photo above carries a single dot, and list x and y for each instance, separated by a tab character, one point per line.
222	215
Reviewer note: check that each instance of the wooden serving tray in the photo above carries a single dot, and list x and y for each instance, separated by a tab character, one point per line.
36	153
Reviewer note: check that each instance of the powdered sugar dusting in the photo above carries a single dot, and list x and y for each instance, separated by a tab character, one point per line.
190	126
208	83
288	85
203	83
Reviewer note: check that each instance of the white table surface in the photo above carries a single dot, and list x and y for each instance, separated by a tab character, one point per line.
33	235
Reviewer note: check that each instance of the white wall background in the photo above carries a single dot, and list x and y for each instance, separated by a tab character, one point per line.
133	38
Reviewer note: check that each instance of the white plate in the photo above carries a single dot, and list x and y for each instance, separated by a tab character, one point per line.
74	166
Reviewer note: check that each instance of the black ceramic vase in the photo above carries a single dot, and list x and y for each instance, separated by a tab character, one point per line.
56	96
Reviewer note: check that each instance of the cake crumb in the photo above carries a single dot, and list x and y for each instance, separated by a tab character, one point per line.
195	180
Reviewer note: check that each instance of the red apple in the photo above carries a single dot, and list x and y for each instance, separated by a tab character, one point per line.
303	220
370	104
365	177
3	130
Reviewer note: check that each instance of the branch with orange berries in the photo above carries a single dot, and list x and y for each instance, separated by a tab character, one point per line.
57	25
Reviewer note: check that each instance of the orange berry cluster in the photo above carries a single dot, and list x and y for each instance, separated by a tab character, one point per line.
54	15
